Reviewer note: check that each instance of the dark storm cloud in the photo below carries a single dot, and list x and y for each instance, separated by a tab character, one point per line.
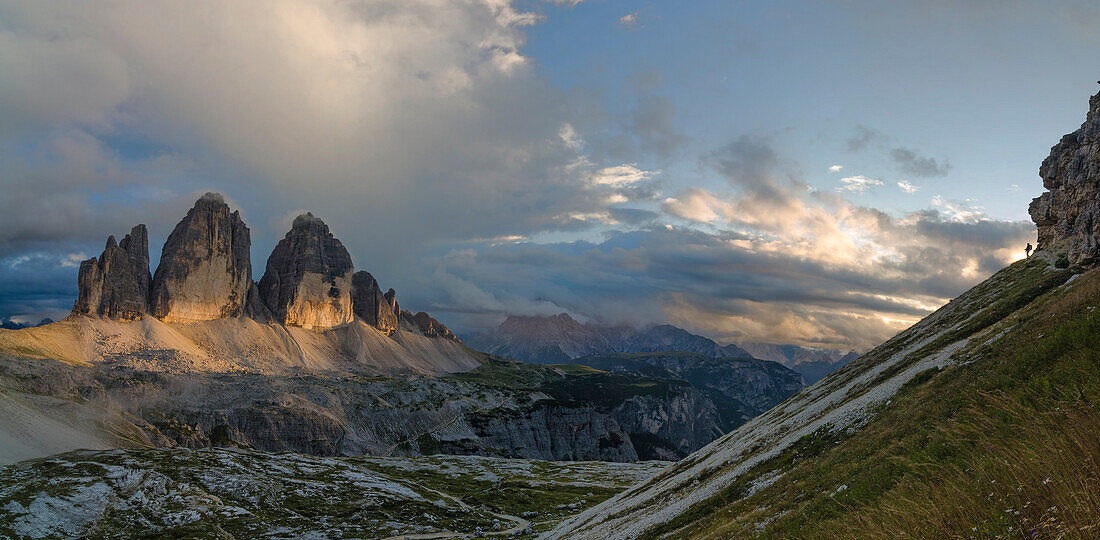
117	113
38	284
687	275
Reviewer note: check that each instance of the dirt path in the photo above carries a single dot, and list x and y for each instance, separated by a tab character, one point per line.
520	523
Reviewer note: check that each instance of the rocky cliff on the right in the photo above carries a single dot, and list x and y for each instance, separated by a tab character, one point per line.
1068	215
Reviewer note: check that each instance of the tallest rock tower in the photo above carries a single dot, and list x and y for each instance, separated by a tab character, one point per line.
205	271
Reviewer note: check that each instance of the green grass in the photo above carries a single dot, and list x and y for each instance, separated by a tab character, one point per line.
569	384
1016	427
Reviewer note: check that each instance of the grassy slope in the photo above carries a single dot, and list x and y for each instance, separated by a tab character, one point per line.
1003	442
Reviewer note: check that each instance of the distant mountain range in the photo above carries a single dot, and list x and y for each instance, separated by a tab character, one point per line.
560	339
741	388
814	364
8	324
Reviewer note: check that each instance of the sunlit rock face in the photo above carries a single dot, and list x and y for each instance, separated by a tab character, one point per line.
205	271
370	303
116	285
1068	215
307	282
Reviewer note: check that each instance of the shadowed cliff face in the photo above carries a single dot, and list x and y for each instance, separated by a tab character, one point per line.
117	284
1068	215
205	271
371	304
308	278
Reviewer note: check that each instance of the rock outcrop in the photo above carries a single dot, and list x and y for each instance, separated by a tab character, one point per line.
1068	215
205	273
307	282
205	269
116	285
428	326
370	303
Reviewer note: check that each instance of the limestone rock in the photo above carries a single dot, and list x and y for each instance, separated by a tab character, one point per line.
205	268
255	307
428	326
117	284
391	298
307	282
369	303
1068	215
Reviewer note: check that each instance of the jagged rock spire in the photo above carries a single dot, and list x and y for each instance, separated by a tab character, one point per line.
307	282
205	269
371	304
1068	215
116	285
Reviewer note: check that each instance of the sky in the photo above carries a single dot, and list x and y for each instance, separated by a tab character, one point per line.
817	173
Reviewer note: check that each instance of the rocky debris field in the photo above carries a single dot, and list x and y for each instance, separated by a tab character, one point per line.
249	494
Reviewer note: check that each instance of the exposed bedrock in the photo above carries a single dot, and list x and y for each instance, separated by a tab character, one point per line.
1068	215
116	285
205	269
371	304
308	278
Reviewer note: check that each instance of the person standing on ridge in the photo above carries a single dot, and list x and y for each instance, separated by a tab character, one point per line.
1027	250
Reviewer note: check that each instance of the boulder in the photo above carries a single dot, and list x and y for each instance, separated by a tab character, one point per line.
369	303
307	282
116	285
205	268
1068	215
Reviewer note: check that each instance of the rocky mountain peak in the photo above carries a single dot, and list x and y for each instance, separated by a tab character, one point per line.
205	269
308	279
1068	214
428	326
116	285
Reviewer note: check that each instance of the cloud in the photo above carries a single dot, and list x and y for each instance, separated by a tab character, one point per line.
912	163
375	114
858	183
835	168
774	262
570	137
905	186
630	20
621	175
960	211
862	138
908	161
653	124
875	275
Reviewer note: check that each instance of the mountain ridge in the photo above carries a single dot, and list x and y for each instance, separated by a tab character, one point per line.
561	338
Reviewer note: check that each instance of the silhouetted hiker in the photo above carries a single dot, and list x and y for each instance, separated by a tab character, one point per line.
1027	250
